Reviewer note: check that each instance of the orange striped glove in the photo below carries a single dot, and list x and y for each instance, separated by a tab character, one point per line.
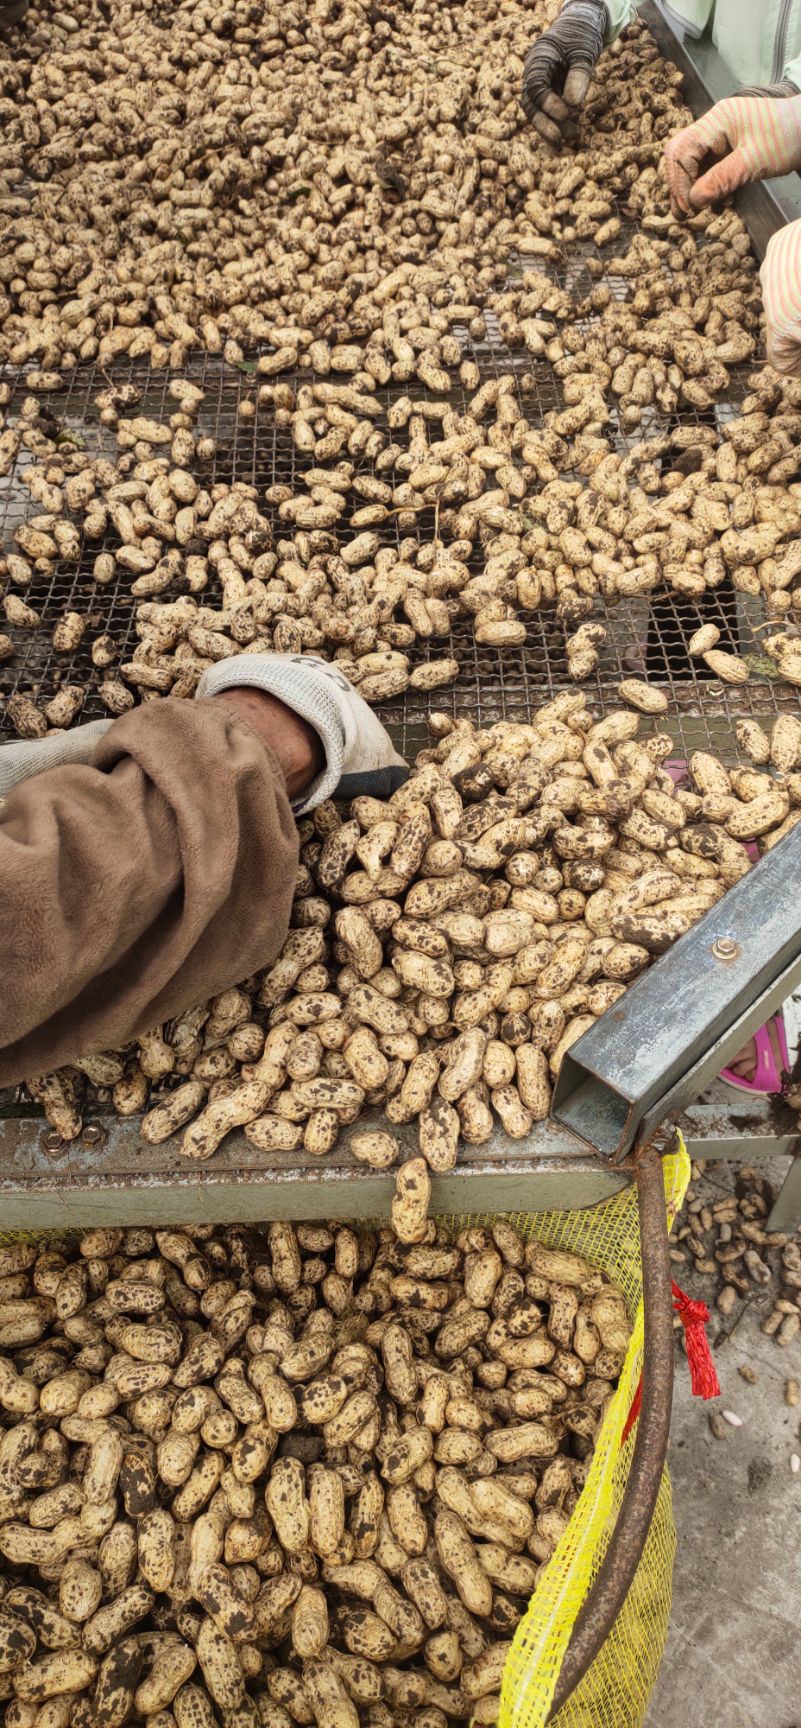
755	137
781	297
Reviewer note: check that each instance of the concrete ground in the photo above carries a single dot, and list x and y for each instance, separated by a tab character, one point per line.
733	1649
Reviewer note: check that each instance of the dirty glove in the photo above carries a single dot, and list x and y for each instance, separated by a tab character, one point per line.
558	66
359	754
754	135
781	297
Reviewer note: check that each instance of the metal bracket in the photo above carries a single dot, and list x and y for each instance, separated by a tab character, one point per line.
639	1063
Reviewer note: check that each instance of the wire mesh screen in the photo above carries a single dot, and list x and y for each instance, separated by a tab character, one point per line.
645	636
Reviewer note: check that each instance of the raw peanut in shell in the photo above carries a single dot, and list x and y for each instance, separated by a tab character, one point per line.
439	1135
118	1617
482	1270
484	1675
758	816
285	1498
156	1540
753	741
192	1708
365	1517
423	1587
220	1665
68	632
56	1673
331	1706
116	1683
309	1623
17	1643
464	1064
643	696
406	1455
533	1083
173	1665
80	1590
365	1060
204	1135
364	948
180	1106
326	1509
785	743
528	1440
400	1375
609	1316
703	639
730	668
217	1596
457	1557
508	1105
406	1519
366	1634
411	1201
373	1147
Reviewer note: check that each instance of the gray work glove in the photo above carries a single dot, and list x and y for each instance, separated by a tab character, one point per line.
559	65
359	754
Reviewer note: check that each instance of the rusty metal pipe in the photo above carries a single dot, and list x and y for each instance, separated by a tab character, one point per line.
607	1594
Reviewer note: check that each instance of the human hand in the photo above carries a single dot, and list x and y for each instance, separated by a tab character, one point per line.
354	753
755	136
781	297
559	65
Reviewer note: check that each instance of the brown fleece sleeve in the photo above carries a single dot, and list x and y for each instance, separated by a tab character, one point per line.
138	886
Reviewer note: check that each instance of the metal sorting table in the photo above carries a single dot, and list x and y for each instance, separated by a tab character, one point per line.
110	1174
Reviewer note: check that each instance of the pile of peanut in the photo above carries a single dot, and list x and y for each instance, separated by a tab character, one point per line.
449	944
195	179
727	1238
293	1476
331	199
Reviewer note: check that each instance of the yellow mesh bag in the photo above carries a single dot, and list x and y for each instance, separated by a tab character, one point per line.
615	1691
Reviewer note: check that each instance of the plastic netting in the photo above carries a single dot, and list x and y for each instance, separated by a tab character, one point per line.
615	1691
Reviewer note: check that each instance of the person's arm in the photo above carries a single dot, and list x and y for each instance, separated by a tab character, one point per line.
781	296
559	64
754	136
158	875
12	12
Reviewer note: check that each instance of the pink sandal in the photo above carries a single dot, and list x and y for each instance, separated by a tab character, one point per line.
768	1076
